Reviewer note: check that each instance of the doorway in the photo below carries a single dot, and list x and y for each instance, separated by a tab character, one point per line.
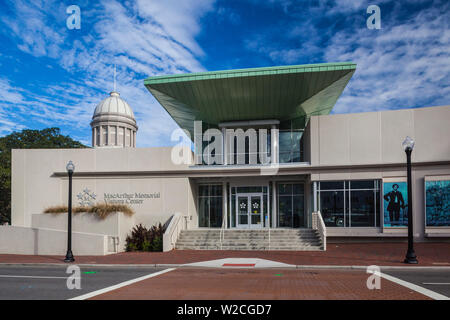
249	210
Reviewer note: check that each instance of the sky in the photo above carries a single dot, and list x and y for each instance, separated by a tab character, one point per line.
53	76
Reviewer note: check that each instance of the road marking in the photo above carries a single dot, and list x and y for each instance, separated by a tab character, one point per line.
238	265
443	283
419	289
33	277
120	285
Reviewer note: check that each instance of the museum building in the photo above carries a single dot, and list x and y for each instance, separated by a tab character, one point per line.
267	157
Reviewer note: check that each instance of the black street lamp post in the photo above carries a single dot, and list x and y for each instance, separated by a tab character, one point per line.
408	146
69	256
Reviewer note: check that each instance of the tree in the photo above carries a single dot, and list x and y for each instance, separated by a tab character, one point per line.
50	138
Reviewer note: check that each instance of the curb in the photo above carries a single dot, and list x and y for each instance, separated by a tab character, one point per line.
156	265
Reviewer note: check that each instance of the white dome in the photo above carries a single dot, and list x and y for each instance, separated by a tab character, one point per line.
113	123
114	104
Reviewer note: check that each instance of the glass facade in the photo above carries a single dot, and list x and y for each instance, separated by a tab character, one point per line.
247	150
350	203
290	142
291	213
210	206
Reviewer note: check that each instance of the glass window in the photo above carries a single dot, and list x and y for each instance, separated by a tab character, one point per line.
291	205
210	206
350	203
203	212
362	208
362	184
332	185
290	146
298	213
249	189
203	191
285	211
285	188
332	208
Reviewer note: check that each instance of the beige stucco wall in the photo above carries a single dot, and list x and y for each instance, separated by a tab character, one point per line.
368	146
376	137
39	181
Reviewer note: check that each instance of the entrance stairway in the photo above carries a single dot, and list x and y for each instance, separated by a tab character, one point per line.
280	239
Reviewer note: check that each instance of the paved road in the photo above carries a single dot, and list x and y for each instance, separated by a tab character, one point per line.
49	283
435	280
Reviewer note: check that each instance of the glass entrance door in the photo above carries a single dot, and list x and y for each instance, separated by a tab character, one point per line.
249	211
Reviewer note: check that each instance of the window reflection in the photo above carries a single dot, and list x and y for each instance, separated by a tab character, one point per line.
350	203
210	206
291	205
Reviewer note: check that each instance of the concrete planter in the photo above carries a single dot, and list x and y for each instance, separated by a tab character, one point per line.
116	225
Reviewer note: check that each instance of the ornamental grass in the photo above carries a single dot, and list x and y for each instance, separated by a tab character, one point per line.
101	210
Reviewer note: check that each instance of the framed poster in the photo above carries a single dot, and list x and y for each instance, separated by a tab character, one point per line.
395	202
437	201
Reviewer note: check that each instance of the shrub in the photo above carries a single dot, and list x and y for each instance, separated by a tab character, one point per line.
143	239
101	210
157	244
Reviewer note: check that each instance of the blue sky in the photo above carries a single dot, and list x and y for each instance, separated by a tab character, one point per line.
53	76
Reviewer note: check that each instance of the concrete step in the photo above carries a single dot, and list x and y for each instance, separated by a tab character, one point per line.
250	248
280	239
259	232
245	238
238	243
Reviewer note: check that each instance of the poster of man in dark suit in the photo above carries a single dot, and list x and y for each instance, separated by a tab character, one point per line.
395	204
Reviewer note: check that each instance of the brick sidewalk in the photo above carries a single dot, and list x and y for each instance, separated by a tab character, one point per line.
219	284
383	254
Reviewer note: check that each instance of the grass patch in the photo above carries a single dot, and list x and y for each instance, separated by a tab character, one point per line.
101	210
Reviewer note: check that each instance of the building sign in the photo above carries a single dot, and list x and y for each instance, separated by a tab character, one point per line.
395	195
135	198
86	198
437	203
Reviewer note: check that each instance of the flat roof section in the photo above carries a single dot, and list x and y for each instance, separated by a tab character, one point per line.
282	93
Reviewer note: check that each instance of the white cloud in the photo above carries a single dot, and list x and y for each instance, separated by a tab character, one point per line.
143	38
399	66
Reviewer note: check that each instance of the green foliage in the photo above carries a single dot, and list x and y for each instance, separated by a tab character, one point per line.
49	138
157	244
143	239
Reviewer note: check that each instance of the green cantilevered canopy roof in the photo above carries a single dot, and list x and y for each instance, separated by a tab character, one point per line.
281	93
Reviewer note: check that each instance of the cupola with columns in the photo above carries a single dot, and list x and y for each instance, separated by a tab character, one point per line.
113	123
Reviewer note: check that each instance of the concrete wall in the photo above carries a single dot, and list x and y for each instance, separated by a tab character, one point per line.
23	240
39	181
376	137
117	224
